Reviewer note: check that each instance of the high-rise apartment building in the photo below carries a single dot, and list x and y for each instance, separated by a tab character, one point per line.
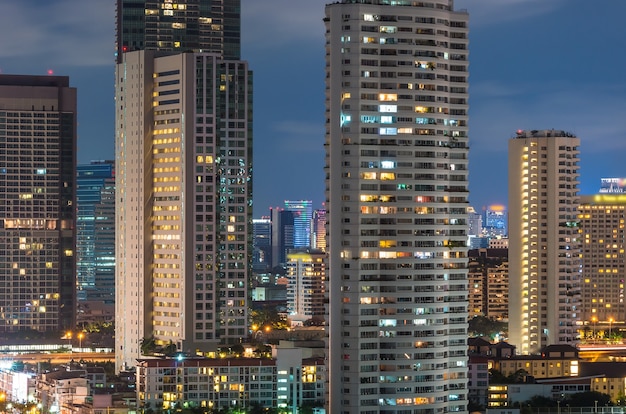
37	203
179	26
544	248
397	198
184	176
601	222
489	283
184	211
95	231
306	287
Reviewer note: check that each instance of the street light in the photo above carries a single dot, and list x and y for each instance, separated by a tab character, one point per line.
610	328
80	335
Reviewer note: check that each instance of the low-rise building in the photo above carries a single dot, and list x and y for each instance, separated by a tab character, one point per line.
554	361
478	376
62	391
291	378
557	389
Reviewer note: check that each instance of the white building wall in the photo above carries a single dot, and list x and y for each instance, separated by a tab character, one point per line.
544	262
396	164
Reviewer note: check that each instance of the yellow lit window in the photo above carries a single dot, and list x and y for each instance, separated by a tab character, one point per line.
388	97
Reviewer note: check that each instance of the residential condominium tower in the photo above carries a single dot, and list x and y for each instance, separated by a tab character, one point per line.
544	262
184	176
37	203
601	220
184	211
397	198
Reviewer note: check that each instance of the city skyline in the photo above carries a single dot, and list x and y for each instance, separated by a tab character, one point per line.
528	58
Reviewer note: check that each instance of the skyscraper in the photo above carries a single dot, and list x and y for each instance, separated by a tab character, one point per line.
601	222
489	283
302	211
184	208
544	262
283	235
37	203
95	231
184	179
179	26
397	194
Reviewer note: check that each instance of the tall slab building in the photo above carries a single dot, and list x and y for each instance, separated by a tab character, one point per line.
37	203
184	194
544	249
397	198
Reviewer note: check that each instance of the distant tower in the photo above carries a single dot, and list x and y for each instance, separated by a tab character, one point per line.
613	185
602	221
544	262
283	235
496	220
262	245
302	211
397	195
37	203
319	230
475	221
95	238
306	273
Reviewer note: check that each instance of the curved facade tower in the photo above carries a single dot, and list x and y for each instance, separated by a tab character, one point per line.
397	198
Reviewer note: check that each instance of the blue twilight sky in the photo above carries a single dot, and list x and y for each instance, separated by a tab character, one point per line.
535	64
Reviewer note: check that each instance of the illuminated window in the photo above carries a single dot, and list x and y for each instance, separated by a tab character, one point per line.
368	176
388	108
387	97
388	131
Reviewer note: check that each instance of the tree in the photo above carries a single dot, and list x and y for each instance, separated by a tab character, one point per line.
483	326
541	401
148	345
589	398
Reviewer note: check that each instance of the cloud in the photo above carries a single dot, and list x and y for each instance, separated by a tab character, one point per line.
486	12
299	136
593	112
59	32
270	24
